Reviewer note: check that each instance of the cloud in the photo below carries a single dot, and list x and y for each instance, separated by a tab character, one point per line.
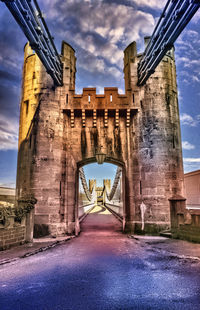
187	119
187	56
196	17
187	145
195	78
191	160
11	44
9	98
8	184
100	90
11	60
191	164
5	75
153	4
181	59
98	30
8	133
102	28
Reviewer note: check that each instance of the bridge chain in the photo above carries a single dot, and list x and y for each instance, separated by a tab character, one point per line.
174	18
29	17
88	194
115	184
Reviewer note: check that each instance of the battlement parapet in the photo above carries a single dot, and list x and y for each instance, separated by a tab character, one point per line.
89	99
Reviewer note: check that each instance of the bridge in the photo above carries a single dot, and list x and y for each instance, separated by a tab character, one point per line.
60	131
111	198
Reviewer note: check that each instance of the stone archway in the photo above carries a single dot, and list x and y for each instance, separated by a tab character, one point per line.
109	160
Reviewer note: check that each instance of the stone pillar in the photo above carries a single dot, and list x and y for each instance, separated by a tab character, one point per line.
27	206
29	226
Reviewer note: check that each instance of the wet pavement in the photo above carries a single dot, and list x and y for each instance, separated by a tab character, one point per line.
104	269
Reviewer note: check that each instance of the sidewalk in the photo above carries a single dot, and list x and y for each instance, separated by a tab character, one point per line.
175	247
28	249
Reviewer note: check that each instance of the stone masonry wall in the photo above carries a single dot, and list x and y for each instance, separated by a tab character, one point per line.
185	224
11	236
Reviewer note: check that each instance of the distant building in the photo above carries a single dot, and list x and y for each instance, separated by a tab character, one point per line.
192	189
7	194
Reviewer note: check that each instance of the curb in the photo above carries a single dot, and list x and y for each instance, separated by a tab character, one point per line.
42	249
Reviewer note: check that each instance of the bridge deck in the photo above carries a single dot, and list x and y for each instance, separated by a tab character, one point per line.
100	221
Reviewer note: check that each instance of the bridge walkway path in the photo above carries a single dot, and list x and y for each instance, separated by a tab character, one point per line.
100	221
102	269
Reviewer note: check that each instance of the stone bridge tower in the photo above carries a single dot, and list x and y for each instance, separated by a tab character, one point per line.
61	131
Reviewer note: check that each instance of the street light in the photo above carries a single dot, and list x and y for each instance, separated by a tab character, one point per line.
100	157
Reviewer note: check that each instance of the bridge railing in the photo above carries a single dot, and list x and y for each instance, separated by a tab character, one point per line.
87	199
113	198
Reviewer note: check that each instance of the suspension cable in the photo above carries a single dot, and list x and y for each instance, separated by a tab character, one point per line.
115	184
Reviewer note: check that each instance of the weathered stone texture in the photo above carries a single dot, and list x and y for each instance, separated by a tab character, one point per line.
11	237
62	131
185	224
16	222
159	143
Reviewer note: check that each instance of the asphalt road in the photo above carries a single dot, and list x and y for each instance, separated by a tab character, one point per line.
101	269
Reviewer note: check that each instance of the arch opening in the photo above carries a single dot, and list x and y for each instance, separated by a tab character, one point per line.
100	196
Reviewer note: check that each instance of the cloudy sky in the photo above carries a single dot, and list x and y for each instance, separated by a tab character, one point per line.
99	31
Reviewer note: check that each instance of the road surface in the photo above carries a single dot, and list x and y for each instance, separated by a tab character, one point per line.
101	269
